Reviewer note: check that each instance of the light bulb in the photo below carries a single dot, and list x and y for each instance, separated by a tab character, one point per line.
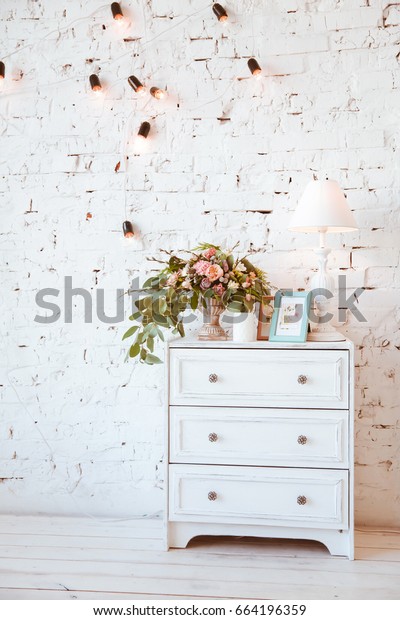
144	130
95	83
136	85
254	67
117	12
220	12
157	93
127	229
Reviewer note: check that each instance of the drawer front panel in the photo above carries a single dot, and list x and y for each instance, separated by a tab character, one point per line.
262	378
269	496
242	436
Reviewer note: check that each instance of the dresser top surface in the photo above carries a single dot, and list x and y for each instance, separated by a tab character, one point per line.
191	342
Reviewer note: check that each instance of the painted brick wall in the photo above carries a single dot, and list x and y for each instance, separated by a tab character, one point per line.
81	431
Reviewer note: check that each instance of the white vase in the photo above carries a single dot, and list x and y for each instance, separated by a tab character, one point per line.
244	327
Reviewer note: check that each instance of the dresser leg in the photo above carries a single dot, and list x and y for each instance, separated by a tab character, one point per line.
179	534
338	543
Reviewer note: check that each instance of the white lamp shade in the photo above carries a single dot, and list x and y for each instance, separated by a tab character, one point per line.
323	208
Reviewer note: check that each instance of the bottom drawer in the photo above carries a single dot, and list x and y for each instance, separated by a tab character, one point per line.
259	495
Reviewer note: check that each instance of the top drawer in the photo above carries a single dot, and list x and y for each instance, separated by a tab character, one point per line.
261	377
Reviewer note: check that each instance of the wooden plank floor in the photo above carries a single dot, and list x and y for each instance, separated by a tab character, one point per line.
129	563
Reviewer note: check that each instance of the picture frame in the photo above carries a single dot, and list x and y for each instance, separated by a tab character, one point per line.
264	317
290	317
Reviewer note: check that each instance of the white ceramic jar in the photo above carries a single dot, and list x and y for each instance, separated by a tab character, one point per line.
244	327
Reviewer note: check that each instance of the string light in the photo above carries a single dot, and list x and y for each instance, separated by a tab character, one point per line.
220	12
95	83
2	70
117	11
127	229
136	85
157	93
254	67
144	130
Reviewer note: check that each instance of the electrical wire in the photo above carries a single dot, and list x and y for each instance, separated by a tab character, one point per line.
5	94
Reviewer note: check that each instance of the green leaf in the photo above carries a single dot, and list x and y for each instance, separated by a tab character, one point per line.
235	306
134	350
152	359
162	306
135	316
130	331
150	343
140	338
152	282
249	266
160	334
160	320
194	302
248	305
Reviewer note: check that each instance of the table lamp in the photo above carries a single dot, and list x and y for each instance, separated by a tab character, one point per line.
323	209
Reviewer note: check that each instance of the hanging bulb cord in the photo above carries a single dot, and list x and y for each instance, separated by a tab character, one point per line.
52	459
141	47
107	89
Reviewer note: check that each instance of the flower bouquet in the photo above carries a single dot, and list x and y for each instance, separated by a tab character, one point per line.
209	278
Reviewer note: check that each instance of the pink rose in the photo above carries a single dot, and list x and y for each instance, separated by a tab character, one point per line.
201	267
214	272
219	289
173	279
209	253
205	283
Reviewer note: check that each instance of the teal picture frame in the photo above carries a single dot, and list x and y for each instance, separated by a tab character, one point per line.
300	334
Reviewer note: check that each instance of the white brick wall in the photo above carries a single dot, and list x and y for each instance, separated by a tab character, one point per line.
81	432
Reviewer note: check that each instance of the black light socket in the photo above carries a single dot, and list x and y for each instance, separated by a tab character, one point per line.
135	84
220	12
144	129
95	82
2	70
254	66
127	229
116	11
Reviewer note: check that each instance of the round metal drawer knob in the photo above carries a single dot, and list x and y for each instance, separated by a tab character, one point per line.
302	379
213	378
213	437
301	500
302	439
212	496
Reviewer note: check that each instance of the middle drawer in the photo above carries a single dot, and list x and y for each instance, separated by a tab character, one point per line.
246	436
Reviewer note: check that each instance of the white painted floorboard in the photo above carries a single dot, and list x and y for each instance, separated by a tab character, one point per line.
49	561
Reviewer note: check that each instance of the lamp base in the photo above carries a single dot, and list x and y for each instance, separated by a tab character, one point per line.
323	286
331	336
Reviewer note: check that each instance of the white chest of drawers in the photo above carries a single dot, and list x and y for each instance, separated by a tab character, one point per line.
260	442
